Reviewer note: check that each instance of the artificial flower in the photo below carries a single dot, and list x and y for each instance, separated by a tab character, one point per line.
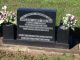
69	21
7	16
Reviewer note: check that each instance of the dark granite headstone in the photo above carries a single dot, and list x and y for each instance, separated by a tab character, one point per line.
36	24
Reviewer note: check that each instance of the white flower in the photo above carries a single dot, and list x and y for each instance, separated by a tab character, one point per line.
68	15
68	25
1	21
74	24
69	21
65	20
72	28
75	20
4	7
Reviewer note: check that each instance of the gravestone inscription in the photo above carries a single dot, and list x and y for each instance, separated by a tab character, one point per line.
36	24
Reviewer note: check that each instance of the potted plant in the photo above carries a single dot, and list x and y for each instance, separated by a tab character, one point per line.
8	24
66	30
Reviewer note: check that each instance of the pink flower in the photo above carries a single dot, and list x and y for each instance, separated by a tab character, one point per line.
72	17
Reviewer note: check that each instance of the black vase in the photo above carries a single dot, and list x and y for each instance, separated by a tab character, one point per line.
8	32
65	38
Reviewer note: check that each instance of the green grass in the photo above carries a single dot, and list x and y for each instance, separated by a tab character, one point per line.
6	55
62	6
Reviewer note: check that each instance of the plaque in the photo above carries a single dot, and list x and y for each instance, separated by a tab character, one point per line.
36	24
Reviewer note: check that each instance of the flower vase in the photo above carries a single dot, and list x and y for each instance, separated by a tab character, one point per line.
65	38
8	32
1	31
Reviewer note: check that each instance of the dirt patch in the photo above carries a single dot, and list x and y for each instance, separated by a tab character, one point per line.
35	51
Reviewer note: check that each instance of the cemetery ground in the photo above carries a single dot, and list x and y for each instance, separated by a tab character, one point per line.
27	52
20	52
63	7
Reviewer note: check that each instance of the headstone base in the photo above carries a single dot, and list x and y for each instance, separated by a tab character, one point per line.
38	44
62	45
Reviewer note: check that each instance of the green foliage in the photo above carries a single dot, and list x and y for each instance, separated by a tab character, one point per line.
61	58
41	57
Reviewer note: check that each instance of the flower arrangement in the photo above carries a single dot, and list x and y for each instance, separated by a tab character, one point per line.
68	21
7	16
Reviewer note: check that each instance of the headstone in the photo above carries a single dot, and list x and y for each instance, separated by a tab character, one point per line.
36	24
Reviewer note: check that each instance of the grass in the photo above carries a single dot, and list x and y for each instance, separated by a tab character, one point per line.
62	6
20	56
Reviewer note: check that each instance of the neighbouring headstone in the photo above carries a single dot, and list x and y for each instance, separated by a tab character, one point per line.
36	24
